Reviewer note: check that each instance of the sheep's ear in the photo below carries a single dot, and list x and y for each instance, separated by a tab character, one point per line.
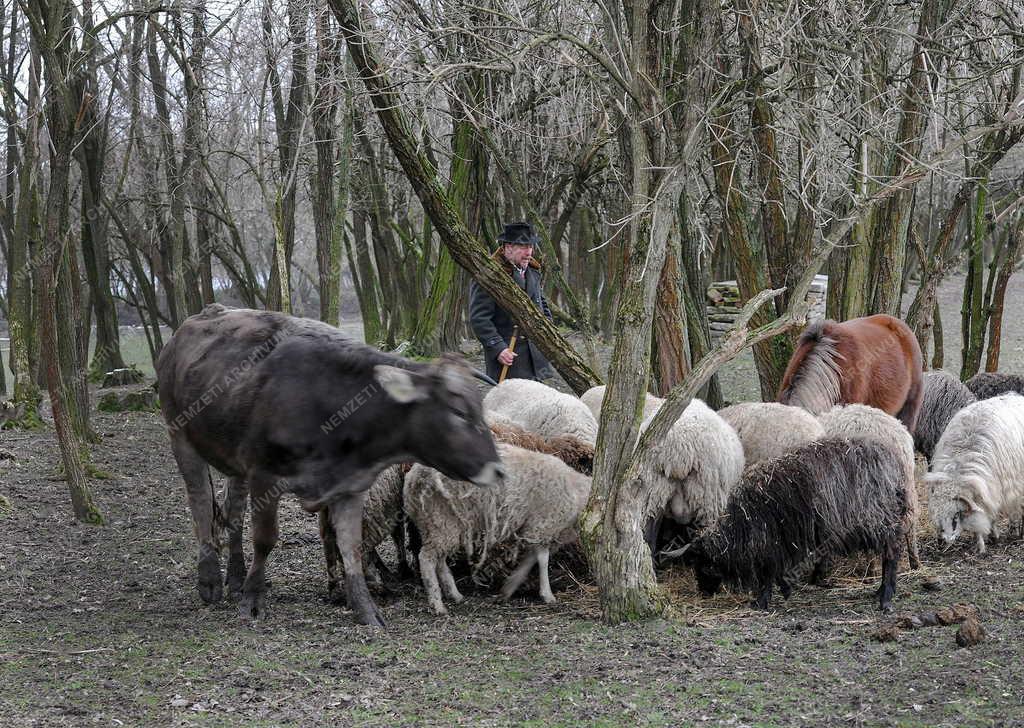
399	384
968	506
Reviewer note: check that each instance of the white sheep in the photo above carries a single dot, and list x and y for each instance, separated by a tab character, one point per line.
536	507
977	469
594	398
701	461
540	409
697	464
769	429
861	422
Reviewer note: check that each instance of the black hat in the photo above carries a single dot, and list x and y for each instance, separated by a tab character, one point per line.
518	233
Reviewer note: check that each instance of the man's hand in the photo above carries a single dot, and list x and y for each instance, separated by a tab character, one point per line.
506	357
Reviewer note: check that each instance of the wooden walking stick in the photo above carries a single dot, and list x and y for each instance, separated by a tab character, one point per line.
512	348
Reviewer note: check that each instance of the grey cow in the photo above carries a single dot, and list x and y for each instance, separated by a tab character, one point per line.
282	404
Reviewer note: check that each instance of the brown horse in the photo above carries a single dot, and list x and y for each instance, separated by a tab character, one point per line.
874	360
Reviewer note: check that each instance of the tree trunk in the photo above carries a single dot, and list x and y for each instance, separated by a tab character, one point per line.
324	110
290	121
889	237
21	313
671	355
60	371
973	310
1009	263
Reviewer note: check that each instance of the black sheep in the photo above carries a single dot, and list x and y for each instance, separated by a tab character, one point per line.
991	384
829	498
944	396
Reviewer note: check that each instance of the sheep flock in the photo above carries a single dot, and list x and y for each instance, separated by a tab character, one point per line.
754	496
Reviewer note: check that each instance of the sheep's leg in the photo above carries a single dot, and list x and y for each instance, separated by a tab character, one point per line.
993	533
264	538
332	559
764	599
819	577
913	556
234	505
428	574
201	503
981	543
516	578
405	570
347	518
448	582
890	568
784	588
543	554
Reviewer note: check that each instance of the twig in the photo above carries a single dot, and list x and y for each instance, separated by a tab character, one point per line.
35	650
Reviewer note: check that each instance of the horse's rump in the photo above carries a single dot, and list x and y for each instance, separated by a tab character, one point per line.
874	360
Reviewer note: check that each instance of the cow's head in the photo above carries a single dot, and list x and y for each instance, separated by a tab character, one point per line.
444	425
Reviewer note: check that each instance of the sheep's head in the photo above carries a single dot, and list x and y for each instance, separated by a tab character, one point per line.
952	512
709	577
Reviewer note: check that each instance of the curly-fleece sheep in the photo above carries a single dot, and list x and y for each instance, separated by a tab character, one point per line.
384	514
768	429
594	398
944	396
537	507
855	421
541	409
977	470
697	465
992	384
828	498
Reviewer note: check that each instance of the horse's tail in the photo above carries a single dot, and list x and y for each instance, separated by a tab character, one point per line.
911	408
813	377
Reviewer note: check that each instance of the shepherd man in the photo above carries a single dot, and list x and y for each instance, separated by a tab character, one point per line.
493	326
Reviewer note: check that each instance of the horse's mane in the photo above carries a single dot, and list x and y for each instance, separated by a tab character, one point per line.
814	375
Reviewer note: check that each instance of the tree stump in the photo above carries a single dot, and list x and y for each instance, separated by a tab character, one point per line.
122	378
141	400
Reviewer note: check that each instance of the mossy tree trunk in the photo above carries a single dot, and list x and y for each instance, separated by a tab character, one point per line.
889	235
22	313
52	30
972	311
1010	259
290	122
328	215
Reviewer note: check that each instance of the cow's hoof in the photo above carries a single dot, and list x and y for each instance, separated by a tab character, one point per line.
250	606
235	576
886	608
371	617
211	593
210	590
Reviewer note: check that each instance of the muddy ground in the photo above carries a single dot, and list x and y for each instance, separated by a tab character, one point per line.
103	626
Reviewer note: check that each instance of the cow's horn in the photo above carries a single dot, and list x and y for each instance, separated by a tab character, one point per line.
675	554
483	377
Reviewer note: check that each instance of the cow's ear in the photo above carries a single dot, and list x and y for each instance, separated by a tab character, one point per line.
399	384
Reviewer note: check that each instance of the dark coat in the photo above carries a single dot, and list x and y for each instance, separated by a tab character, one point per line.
493	327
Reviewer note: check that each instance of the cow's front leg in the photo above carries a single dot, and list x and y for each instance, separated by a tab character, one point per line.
264	538
234	506
196	474
347	518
